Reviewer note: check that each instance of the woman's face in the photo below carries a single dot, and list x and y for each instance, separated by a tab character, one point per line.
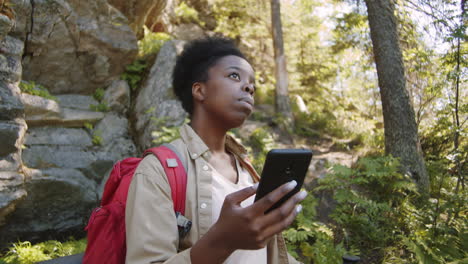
229	91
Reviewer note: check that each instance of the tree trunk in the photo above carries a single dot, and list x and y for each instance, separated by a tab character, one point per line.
401	131
282	104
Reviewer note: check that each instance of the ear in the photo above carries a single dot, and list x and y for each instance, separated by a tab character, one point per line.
198	91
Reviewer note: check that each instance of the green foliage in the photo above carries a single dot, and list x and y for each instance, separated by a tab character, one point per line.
26	253
88	126
311	241
97	138
367	200
164	134
261	142
35	89
186	14
134	73
99	94
151	43
101	107
148	48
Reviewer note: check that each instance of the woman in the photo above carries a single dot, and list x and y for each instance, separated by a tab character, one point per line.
215	84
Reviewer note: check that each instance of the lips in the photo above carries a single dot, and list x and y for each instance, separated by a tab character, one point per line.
247	100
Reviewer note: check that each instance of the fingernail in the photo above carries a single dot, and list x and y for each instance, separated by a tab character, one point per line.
292	184
302	195
255	186
298	208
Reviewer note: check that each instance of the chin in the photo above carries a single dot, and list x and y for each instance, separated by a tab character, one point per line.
238	121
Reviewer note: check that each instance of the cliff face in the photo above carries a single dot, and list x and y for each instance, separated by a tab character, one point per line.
56	152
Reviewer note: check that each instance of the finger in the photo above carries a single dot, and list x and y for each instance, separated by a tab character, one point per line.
269	200
240	196
282	225
284	211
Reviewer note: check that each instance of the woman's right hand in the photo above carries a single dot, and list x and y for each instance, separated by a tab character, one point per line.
247	227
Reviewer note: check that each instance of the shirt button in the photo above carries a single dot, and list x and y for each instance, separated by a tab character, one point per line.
194	155
205	168
203	205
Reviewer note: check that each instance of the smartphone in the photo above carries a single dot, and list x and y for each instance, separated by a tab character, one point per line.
282	166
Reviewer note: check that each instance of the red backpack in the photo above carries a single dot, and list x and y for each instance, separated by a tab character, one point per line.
106	226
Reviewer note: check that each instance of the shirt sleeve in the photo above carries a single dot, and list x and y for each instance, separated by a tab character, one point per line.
150	222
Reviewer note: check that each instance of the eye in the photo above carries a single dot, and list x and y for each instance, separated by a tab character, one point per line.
235	76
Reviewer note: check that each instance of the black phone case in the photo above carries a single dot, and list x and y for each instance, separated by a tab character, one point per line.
281	166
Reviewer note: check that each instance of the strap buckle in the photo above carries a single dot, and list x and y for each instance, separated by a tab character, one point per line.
184	224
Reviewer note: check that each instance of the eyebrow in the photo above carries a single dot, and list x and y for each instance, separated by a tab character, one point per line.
252	78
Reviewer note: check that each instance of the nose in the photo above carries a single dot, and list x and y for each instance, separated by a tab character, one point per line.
249	88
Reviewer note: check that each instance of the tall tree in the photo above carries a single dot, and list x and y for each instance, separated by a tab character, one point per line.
401	131
282	104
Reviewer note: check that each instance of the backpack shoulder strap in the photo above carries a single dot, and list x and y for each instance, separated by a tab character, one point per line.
175	172
173	148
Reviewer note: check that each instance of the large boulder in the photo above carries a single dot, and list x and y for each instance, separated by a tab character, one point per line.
117	96
11	50
156	104
137	11
70	110
115	137
11	106
77	46
58	202
22	13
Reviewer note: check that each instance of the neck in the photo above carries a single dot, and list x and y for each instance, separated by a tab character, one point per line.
211	133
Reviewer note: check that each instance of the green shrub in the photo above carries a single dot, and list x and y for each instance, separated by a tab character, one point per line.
369	198
97	138
261	142
151	43
164	134
187	14
35	89
148	47
101	107
26	253
311	241
99	94
133	73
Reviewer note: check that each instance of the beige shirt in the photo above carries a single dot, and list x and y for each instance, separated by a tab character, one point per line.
151	229
221	187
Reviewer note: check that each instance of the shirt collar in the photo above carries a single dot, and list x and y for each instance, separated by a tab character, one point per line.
197	147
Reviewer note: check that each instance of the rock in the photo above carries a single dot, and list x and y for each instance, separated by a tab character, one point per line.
58	200
188	32
156	100
22	26
300	104
93	163
76	101
11	106
6	24
11	192
161	21
58	136
137	11
40	108
78	118
11	50
10	162
113	130
68	110
117	96
112	127
85	45
12	134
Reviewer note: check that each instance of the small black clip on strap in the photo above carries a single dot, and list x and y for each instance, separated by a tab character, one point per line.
183	224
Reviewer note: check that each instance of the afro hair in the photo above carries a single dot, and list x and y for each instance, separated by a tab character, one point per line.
193	63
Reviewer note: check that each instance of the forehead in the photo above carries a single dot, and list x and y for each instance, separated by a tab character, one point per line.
232	61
